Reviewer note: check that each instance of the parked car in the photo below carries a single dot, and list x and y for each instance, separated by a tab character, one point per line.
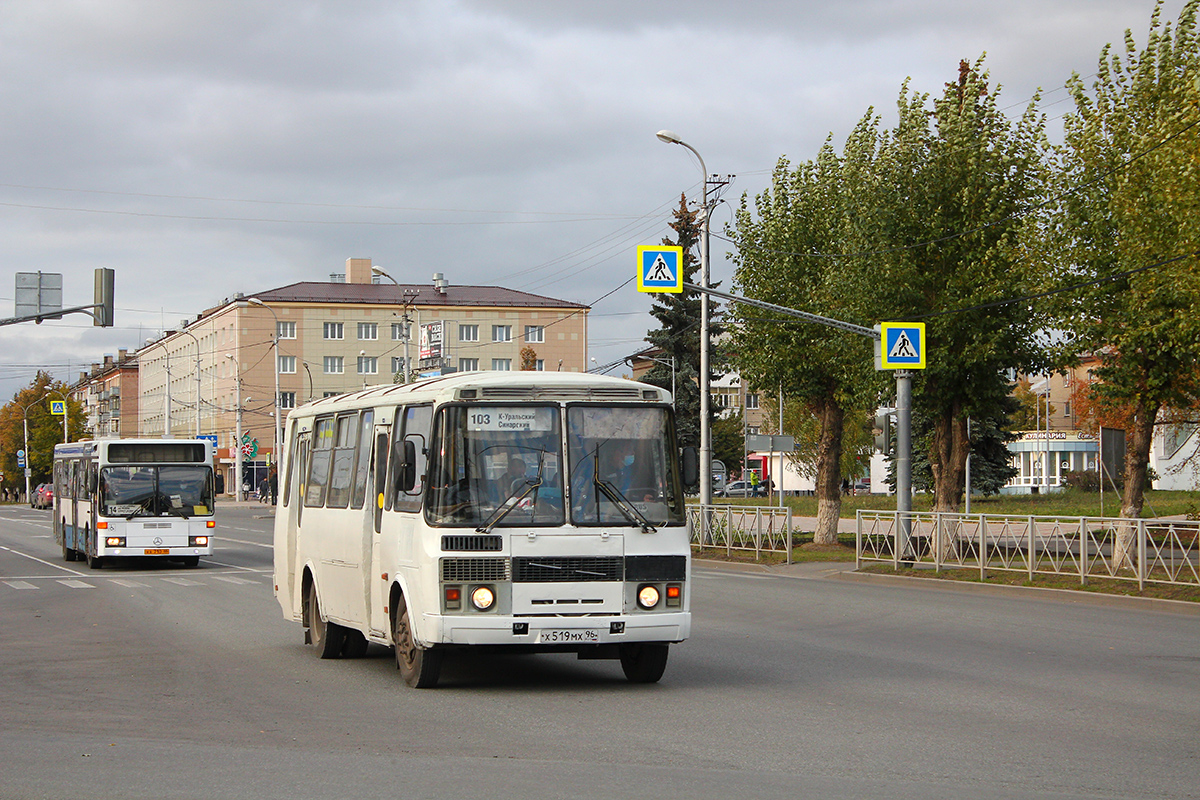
738	489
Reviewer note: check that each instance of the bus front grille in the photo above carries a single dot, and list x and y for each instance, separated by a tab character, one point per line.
464	570
568	569
472	542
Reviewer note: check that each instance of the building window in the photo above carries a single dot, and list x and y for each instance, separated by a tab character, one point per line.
535	333
287	399
333	365
368	331
468	333
752	400
1067	408
398	333
397	364
287	365
502	333
285	330
468	364
539	365
331	394
752	430
333	330
368	365
503	364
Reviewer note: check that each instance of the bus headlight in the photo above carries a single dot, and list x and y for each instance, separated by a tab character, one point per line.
114	541
197	541
483	598
647	596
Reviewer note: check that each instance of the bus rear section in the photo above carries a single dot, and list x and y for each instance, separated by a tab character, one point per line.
546	525
144	498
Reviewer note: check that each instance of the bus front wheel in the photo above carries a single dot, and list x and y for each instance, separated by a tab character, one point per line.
326	638
645	662
419	666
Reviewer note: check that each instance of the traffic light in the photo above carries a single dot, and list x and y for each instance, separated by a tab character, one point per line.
882	433
104	298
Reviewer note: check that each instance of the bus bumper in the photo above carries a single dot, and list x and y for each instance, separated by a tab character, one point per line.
555	632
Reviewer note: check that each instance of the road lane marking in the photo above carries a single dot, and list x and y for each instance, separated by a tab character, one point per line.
129	584
182	582
20	585
74	584
232	579
241	541
42	561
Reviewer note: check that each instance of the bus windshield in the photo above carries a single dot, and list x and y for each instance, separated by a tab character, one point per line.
496	466
135	491
623	471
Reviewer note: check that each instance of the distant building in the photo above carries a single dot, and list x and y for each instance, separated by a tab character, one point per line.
108	393
335	337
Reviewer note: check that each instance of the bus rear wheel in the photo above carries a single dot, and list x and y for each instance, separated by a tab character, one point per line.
326	638
644	662
419	666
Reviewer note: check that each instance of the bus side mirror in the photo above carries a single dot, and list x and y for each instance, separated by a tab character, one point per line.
691	466
406	476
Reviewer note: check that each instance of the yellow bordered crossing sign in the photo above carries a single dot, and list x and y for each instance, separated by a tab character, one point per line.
660	268
58	407
901	345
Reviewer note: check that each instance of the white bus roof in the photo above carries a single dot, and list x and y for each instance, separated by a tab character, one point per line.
497	386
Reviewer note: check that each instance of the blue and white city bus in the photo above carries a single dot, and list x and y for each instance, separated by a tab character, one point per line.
535	511
134	497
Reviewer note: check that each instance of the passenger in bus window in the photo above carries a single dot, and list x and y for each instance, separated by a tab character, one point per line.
516	475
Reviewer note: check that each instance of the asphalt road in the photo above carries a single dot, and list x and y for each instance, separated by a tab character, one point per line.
150	681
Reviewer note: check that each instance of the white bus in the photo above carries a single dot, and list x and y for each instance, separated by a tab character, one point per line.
134	497
538	511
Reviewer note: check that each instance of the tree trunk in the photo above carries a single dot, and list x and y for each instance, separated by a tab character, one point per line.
1137	457
948	460
829	473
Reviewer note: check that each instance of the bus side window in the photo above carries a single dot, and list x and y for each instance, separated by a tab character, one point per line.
319	464
417	420
362	459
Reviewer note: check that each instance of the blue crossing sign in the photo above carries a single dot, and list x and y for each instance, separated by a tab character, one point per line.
58	407
901	345
660	269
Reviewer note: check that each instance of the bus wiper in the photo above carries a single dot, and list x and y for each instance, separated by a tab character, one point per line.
627	508
510	503
179	512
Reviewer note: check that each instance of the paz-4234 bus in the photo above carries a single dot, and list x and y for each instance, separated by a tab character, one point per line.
134	497
531	511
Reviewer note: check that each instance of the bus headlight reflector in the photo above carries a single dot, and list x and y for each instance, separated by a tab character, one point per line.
483	598
197	541
674	595
114	541
210	523
647	596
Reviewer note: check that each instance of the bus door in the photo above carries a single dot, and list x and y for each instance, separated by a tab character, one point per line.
377	615
297	475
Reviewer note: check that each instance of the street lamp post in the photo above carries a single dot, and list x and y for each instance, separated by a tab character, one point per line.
254	301
705	428
237	475
409	296
670	363
197	341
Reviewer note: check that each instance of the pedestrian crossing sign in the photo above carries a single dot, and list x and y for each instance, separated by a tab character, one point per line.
660	269
58	407
901	345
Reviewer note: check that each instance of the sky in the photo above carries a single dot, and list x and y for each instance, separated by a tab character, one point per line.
202	148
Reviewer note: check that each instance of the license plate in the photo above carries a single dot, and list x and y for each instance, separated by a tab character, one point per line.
157	551
569	637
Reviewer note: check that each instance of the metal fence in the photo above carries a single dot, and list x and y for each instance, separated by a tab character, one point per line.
1141	550
742	528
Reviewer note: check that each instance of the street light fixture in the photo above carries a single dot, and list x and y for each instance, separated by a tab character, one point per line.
408	298
705	428
254	301
670	363
197	341
237	475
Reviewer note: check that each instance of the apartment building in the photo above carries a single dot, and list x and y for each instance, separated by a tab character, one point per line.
217	374
108	393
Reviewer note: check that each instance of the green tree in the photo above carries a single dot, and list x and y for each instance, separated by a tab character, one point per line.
678	336
824	371
32	404
947	207
1032	408
728	441
1129	220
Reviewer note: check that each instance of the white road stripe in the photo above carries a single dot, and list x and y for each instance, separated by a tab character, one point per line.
232	579
182	582
20	585
129	584
74	584
40	561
